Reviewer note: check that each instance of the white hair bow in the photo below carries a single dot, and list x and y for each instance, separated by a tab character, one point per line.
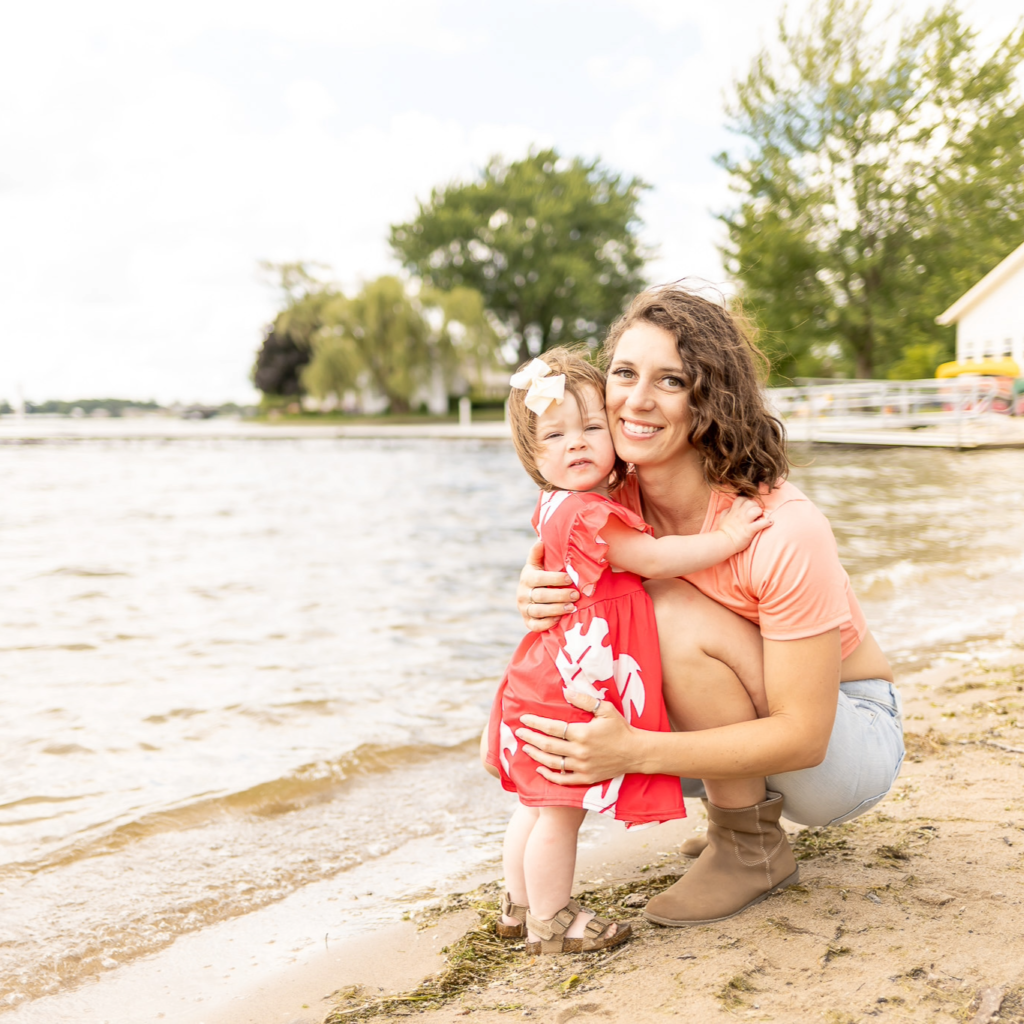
543	390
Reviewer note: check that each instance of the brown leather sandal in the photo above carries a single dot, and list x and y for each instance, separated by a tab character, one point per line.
597	935
516	910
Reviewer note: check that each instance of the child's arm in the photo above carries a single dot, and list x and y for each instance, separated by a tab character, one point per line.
658	558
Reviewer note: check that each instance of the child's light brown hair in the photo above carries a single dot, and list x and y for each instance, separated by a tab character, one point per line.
582	378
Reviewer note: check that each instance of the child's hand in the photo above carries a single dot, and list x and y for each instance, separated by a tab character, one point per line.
743	522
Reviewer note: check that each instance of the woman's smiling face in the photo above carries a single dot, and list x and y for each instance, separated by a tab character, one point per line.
646	399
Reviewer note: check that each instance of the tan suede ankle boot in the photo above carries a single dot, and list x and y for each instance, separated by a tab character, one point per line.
747	858
696	844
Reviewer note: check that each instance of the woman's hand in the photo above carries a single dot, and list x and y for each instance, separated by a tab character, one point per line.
541	596
588	752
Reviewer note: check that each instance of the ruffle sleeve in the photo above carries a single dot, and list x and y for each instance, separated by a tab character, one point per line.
586	555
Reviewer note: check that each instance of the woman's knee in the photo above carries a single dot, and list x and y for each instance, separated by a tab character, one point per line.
679	615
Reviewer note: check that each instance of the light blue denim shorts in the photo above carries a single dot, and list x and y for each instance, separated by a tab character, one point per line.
865	754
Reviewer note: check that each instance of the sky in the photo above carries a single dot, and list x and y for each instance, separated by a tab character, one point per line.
151	155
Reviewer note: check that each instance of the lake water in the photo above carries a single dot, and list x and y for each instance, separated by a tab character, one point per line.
230	669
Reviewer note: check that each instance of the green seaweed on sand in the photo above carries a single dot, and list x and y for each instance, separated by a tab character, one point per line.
732	994
817	842
483	899
479	957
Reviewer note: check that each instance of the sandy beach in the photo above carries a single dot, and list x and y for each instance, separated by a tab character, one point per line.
914	912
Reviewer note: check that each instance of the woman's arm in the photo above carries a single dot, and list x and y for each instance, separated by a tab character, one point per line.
802	684
661	558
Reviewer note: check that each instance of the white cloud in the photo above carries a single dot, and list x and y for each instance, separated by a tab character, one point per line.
141	183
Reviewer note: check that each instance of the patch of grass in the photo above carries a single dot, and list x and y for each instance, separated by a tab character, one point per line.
832	952
952	690
479	957
1012	1006
473	959
732	992
785	925
484	899
607	900
818	842
894	853
919	746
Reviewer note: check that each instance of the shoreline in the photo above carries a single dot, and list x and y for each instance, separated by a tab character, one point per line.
166	428
1000	433
274	967
913	912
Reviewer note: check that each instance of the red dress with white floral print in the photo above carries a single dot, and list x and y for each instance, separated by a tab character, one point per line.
608	647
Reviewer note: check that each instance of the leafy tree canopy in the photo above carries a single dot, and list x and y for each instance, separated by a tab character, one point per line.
383	341
288	342
880	180
377	339
551	245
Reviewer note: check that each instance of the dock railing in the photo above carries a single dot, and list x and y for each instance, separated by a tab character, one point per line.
813	410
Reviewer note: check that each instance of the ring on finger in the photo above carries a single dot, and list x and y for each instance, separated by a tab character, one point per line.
533	595
565	731
596	706
562	770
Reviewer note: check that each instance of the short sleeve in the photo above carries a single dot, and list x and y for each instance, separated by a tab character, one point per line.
586	555
800	585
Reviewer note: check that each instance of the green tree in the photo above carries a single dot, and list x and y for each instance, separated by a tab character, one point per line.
464	335
288	342
378	339
400	346
880	179
550	244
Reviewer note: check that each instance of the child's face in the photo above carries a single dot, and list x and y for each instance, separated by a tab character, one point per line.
576	446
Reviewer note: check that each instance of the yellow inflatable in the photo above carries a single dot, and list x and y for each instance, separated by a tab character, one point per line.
1005	367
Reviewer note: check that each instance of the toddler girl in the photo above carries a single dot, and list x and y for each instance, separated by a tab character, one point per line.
607	647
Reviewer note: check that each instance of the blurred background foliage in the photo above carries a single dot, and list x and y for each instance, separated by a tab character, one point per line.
879	180
550	243
386	348
878	177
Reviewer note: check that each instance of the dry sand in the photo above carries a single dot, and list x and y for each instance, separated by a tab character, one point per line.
914	912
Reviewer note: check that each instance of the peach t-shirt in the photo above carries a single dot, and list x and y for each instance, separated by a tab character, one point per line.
788	582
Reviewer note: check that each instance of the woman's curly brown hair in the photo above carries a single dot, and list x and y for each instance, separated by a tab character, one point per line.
741	444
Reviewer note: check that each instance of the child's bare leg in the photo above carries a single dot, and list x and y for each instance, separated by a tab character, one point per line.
516	835
549	862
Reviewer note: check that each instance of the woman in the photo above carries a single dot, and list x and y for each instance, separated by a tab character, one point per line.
770	673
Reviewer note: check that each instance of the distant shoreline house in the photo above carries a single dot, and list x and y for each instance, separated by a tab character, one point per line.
989	322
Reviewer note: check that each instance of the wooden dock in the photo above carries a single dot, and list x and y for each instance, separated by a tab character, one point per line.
994	431
803	424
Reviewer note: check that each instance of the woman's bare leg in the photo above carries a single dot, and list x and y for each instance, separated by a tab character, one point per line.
712	671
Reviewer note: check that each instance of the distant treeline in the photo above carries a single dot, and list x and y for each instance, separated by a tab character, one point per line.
125	406
113	406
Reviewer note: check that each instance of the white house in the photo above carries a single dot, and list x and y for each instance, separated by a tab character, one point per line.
990	321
